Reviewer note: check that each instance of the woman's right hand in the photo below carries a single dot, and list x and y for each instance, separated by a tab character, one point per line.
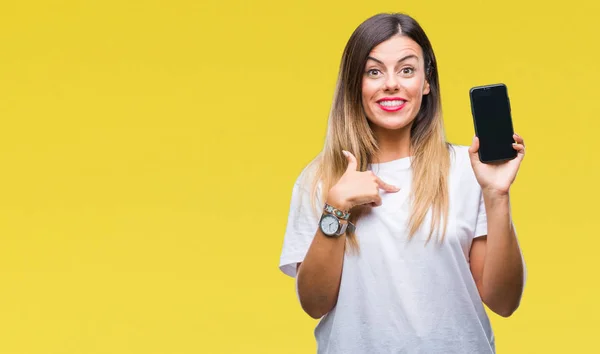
357	187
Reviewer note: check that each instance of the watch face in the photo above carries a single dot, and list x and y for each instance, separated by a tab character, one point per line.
329	224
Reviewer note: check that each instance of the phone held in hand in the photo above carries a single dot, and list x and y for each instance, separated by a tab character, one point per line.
491	111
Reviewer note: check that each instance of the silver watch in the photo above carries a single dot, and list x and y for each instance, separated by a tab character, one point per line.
331	226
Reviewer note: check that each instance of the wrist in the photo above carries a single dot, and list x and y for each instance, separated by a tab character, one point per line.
335	222
337	201
495	196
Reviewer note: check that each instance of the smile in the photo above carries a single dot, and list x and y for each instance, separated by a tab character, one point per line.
391	105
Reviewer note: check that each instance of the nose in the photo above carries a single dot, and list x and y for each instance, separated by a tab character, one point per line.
392	84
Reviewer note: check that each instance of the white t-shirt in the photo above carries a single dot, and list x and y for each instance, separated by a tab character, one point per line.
400	296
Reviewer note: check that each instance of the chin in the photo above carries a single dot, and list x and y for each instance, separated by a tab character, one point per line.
391	124
391	121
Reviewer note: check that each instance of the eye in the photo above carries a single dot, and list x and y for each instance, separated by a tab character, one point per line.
373	72
407	71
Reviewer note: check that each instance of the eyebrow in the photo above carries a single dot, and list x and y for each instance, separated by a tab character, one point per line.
410	56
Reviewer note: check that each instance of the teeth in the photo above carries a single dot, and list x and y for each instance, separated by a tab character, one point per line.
391	103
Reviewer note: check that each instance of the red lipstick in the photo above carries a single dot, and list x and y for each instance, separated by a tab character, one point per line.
391	104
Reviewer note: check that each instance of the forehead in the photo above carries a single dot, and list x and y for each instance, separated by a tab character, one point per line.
395	48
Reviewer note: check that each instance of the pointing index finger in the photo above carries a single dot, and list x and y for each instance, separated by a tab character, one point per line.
386	187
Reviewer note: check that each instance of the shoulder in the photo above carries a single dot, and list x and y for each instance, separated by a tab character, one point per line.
307	182
308	174
460	164
459	153
306	199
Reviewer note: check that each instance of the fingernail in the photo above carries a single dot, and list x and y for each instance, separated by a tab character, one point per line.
345	153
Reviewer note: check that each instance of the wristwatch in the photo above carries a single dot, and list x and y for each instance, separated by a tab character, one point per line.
334	222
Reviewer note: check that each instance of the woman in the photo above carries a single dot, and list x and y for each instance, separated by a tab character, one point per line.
396	237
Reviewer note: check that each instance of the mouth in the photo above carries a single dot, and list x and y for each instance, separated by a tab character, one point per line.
391	104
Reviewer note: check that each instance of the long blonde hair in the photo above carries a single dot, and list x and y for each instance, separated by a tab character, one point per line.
348	127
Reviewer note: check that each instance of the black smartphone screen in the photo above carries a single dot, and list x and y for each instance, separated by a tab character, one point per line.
493	123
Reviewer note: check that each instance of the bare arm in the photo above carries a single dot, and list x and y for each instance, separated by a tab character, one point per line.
496	260
320	273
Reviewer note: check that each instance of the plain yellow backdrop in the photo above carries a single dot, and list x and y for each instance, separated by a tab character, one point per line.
148	151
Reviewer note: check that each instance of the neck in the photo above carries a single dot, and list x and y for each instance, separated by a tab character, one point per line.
393	144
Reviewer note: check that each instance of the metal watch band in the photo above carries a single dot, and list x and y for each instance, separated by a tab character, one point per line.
345	227
350	228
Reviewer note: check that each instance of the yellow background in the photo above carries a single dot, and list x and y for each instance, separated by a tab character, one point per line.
148	151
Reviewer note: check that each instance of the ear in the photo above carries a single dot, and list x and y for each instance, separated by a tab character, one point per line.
426	88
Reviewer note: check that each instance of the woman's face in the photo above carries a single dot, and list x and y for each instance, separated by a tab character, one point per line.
394	83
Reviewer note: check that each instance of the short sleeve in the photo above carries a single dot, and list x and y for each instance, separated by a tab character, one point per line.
302	224
472	205
481	225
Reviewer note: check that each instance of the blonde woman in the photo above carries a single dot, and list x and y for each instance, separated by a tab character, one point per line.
397	238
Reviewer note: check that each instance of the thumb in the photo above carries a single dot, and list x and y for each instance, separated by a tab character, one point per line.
474	145
352	164
474	148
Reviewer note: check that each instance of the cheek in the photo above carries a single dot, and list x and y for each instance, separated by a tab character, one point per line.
416	90
369	88
365	94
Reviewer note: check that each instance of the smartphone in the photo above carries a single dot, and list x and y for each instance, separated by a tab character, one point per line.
492	118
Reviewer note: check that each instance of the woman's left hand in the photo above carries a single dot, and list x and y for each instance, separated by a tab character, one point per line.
497	177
